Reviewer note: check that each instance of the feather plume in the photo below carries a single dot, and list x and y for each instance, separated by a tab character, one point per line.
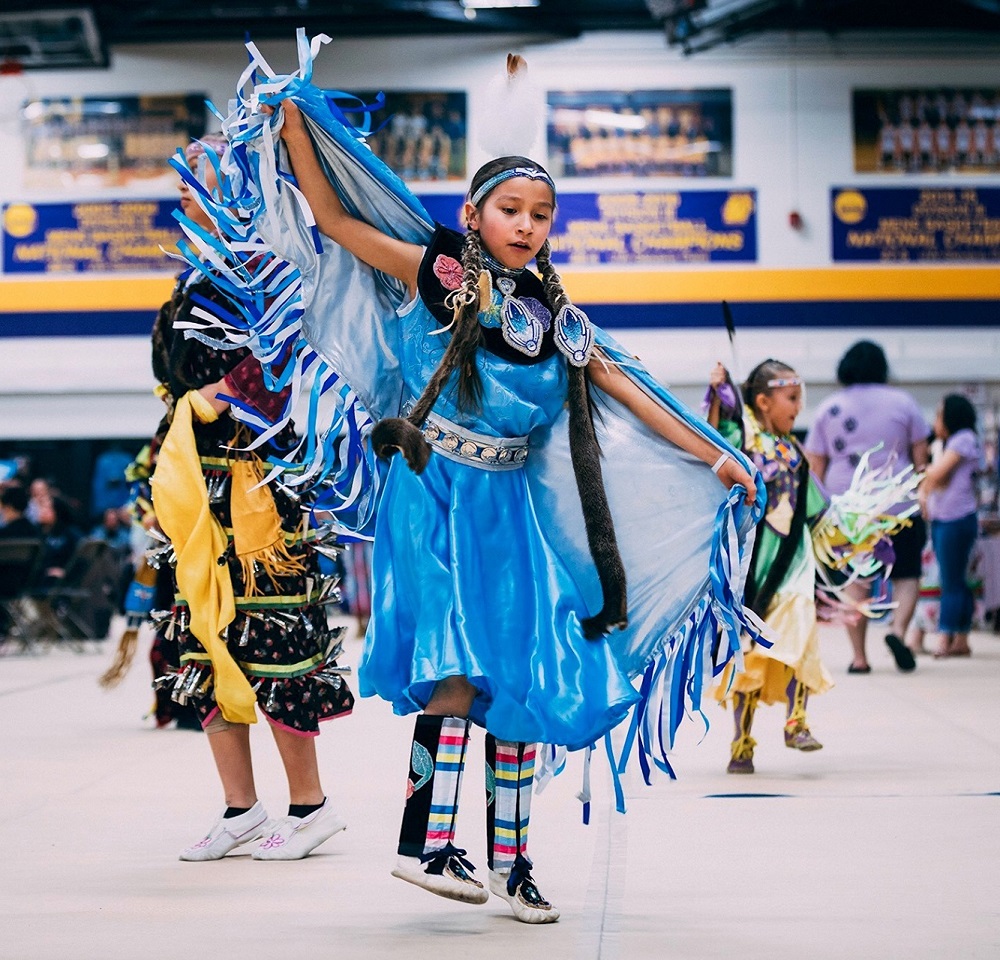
515	107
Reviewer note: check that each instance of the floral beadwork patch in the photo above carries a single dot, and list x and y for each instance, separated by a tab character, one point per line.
449	271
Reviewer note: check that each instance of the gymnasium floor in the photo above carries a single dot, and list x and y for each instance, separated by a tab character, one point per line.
884	844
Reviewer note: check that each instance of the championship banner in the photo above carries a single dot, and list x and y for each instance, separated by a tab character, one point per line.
909	224
659	227
94	236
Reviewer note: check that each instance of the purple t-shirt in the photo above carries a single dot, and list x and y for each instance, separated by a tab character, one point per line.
858	418
958	499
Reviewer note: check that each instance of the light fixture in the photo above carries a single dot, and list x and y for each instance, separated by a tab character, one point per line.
498	4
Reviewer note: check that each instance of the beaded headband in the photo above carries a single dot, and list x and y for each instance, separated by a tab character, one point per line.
785	382
532	173
213	141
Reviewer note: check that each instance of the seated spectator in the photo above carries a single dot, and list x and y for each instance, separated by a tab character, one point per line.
61	538
40	495
14	525
13	506
115	529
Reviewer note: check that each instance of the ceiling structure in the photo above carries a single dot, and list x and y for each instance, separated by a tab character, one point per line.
51	34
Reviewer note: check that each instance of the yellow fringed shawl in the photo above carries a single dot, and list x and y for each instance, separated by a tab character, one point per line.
181	502
257	534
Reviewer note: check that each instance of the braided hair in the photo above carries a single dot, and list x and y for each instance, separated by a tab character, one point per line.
466	337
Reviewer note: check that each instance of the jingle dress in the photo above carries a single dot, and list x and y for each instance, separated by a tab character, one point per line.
279	638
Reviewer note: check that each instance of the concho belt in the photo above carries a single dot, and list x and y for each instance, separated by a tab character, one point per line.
475	449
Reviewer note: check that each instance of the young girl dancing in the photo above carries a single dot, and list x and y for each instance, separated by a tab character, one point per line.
807	546
492	590
781	585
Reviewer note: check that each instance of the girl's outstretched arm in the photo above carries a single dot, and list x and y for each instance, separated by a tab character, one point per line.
380	251
616	384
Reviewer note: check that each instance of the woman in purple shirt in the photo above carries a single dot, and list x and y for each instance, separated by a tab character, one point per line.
948	500
848	424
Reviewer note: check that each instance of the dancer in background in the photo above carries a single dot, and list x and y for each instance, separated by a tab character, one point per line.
781	586
804	544
248	613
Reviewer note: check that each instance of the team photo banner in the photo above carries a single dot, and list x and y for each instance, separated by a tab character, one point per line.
907	224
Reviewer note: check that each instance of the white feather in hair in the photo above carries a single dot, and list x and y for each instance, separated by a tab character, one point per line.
515	110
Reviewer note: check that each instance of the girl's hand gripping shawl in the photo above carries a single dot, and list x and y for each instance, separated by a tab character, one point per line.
318	319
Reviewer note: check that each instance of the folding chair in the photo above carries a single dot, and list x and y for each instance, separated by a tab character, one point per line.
80	605
20	564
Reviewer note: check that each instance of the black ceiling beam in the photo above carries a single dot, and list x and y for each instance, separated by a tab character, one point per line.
834	17
129	21
990	6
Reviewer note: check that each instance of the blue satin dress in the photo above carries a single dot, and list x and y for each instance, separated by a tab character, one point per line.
465	581
477	572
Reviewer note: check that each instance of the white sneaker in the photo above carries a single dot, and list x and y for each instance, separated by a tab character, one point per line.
292	838
454	881
226	835
528	904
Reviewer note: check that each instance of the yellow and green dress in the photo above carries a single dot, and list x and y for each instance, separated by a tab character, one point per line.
781	589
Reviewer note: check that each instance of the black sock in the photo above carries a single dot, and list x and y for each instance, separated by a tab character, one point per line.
303	809
235	812
417	811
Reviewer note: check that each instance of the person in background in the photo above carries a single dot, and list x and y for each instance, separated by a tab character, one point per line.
781	584
251	631
14	524
869	415
114	529
40	494
62	535
948	499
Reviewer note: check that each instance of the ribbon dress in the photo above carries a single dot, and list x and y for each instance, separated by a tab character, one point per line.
481	565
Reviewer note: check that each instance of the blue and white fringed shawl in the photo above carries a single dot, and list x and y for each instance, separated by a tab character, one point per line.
325	324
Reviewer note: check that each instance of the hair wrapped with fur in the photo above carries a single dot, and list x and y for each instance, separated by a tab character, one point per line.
404	434
586	456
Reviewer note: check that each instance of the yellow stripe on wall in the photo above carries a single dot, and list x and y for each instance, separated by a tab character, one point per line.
791	285
53	294
669	285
